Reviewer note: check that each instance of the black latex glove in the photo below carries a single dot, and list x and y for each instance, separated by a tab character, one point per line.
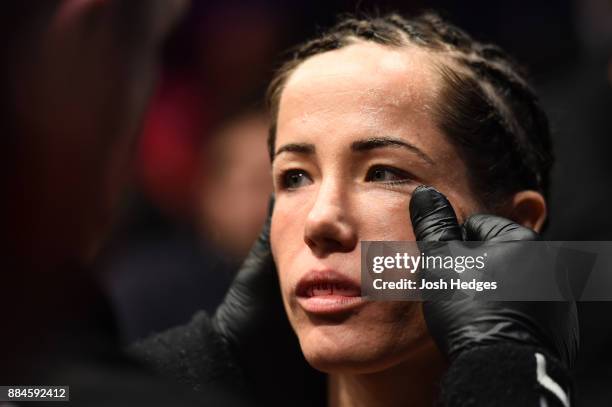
458	326
253	323
253	303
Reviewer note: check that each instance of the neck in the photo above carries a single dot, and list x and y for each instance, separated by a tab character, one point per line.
407	384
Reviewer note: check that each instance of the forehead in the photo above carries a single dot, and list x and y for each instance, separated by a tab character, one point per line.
362	85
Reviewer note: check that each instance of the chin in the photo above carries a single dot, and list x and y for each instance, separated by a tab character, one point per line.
342	349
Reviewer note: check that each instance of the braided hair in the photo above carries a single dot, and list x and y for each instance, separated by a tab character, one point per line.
486	108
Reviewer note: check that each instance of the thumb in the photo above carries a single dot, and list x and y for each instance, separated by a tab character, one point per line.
433	218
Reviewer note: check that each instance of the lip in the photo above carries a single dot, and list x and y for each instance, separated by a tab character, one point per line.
327	292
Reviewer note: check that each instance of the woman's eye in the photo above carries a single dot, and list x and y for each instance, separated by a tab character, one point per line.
387	175
294	179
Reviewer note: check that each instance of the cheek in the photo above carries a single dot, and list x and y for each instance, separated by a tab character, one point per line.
384	215
396	328
407	333
286	233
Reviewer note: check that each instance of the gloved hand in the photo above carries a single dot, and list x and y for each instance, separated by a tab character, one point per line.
253	303
458	326
253	323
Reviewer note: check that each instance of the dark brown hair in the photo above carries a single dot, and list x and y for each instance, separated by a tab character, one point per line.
486	106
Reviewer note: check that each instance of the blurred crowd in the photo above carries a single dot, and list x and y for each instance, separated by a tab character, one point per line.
200	185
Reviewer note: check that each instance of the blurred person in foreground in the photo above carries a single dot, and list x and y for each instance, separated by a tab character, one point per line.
77	76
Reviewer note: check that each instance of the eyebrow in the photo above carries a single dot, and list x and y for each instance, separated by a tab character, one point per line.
300	148
358	146
383	142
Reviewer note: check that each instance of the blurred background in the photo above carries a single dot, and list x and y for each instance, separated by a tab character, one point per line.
199	188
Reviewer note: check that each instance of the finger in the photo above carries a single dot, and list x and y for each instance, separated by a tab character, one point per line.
433	218
484	227
253	291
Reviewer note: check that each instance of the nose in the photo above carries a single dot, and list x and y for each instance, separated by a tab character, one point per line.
328	227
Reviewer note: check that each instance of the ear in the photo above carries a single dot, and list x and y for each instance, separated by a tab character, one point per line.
528	208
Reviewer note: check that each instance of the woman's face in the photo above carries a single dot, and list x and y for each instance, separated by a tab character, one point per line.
355	137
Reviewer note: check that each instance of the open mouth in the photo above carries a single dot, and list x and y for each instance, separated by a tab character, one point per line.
326	289
328	292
